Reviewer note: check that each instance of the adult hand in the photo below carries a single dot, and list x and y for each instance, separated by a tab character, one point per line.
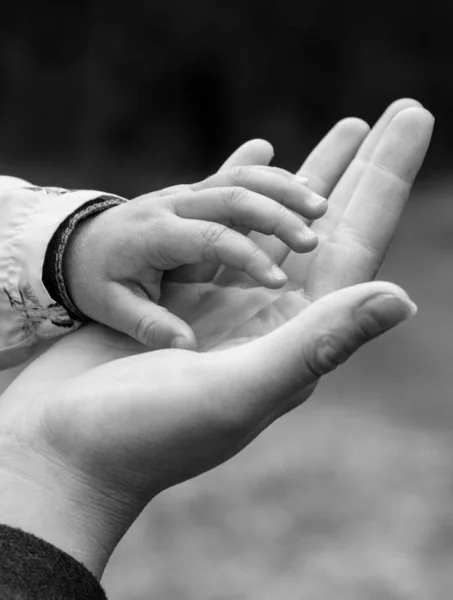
94	428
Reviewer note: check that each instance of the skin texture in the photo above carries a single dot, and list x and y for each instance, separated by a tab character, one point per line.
115	260
94	428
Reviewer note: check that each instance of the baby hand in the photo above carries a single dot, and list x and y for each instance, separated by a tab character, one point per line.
115	260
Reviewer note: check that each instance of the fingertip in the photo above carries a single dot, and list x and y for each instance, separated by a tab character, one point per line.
273	278
166	331
278	275
416	114
318	205
184	337
183	343
382	312
311	240
387	288
254	152
306	241
413	308
265	147
402	103
353	125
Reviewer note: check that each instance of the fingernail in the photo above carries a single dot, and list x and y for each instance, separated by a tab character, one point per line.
181	342
318	202
302	180
278	274
383	311
308	235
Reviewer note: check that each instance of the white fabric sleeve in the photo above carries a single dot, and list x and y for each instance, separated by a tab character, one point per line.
29	216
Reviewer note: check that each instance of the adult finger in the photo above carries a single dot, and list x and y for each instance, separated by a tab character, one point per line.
252	152
344	191
323	168
271	373
355	250
296	267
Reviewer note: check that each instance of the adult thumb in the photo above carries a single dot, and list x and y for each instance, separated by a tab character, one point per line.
294	356
150	324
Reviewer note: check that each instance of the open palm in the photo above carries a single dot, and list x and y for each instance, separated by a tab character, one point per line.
130	422
367	178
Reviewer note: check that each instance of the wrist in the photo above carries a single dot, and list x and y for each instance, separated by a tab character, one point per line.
63	265
46	500
78	258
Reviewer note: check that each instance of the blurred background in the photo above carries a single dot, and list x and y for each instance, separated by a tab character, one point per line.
351	496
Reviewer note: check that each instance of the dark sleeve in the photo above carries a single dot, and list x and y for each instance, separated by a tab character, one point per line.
32	569
53	275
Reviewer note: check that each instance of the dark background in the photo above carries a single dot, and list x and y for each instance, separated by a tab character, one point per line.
132	95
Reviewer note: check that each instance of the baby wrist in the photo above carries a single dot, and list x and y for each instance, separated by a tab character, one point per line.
55	277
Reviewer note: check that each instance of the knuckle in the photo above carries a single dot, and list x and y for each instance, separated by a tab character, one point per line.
175	190
213	233
238	176
201	185
146	331
150	205
155	237
233	196
254	252
281	216
162	193
253	256
329	352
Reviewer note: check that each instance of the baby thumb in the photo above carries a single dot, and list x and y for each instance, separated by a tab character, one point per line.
150	324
